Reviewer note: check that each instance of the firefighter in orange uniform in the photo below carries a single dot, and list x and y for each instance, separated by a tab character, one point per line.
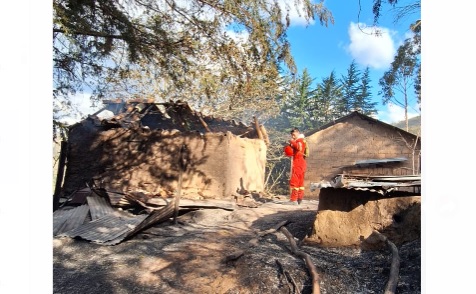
298	167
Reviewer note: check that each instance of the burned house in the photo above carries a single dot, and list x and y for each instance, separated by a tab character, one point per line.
147	146
366	175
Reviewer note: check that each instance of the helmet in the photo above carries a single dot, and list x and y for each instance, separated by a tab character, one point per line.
288	150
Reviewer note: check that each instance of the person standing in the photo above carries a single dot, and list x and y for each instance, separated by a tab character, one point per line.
298	166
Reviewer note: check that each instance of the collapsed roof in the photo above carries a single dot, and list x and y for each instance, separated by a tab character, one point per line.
167	116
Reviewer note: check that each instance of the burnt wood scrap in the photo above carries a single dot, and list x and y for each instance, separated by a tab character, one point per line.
167	115
60	175
188	204
78	197
289	279
254	242
151	202
311	267
294	249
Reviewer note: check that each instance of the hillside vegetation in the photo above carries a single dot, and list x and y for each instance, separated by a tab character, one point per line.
414	125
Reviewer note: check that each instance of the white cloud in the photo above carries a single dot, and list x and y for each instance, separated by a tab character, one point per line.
80	107
394	113
368	49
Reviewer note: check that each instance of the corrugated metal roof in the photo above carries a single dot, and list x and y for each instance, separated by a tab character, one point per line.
380	184
108	227
98	206
65	220
374	161
116	198
113	227
382	160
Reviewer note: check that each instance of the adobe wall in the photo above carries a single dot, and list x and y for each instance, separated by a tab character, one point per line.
130	160
356	139
246	164
347	218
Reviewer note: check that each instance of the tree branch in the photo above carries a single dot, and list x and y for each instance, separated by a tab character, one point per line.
391	286
312	269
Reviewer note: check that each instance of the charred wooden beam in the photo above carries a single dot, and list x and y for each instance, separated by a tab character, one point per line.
60	174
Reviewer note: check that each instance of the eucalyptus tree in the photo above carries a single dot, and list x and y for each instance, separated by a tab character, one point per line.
416	40
399	11
400	78
228	55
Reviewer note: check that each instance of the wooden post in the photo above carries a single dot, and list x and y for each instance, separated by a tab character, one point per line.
183	162
59	176
258	130
204	124
265	135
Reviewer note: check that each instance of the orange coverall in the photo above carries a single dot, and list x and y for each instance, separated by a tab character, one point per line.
298	169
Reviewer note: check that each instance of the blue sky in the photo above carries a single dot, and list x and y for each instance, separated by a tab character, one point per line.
323	49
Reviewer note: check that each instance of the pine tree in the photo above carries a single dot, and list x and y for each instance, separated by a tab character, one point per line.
327	97
297	107
350	90
363	102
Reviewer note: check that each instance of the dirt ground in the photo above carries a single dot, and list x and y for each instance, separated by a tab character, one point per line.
219	251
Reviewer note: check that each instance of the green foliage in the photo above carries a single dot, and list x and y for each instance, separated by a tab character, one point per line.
402	75
296	107
327	100
309	106
414	125
176	50
410	7
363	99
350	89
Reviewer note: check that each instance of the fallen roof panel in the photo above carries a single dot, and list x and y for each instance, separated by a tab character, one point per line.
98	206
69	219
107	228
